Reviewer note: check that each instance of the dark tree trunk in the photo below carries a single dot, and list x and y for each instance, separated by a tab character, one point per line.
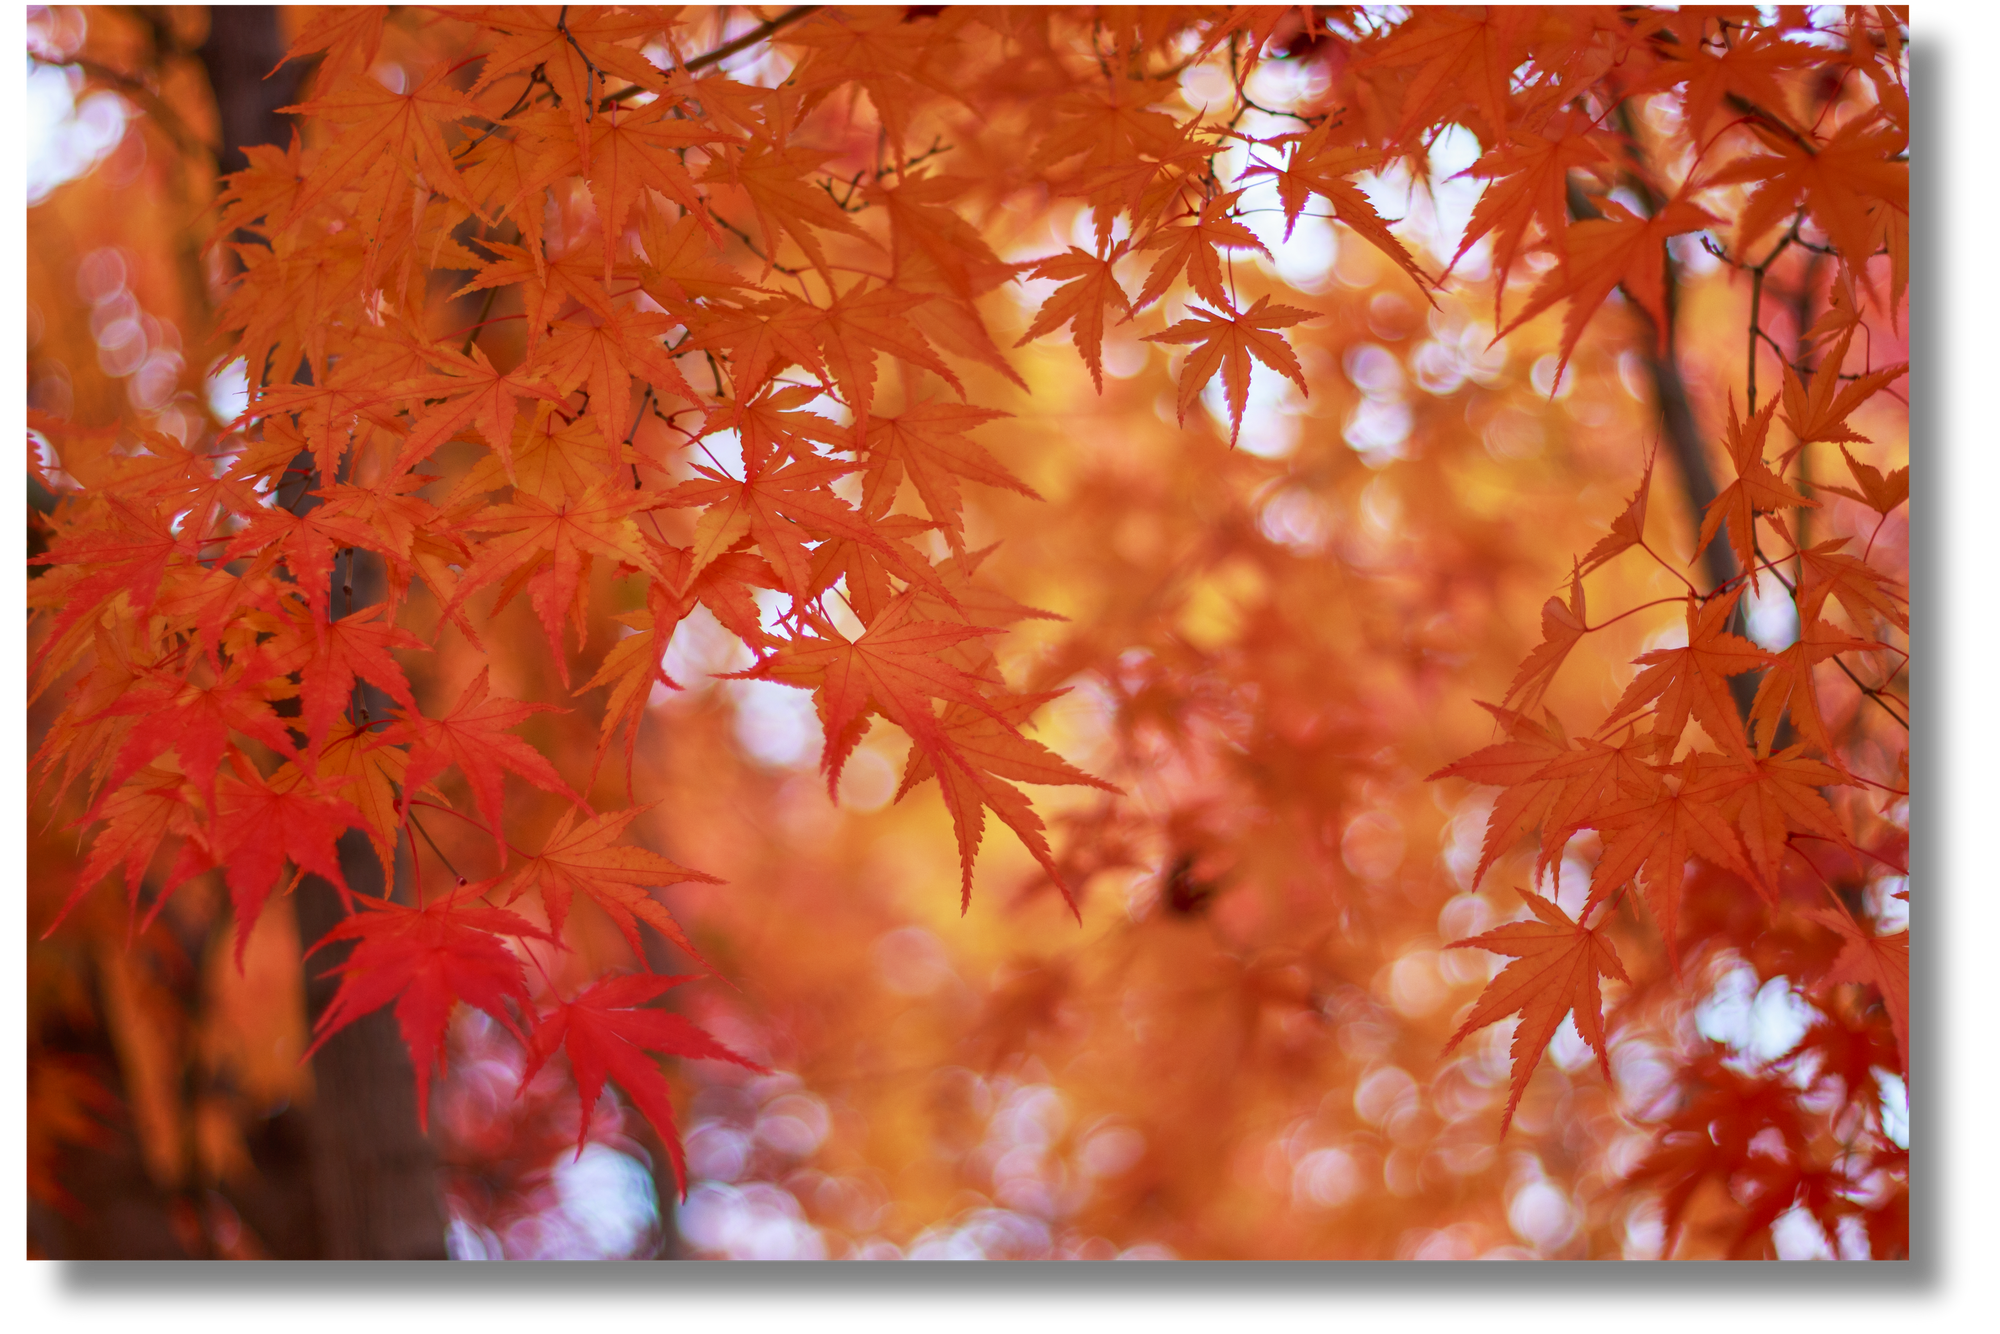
372	1173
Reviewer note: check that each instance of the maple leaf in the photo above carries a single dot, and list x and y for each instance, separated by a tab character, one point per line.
861	323
1088	287
872	49
362	763
307	544
927	443
921	224
402	129
329	657
633	666
1555	972
1194	248
1773	795
572	51
1822	413
1463	60
782	509
1656	834
579	858
1515	765
426	960
548	277
770	426
1562	626
607	1035
1756	490
195	721
1317	166
1628	530
156	804
1618	249
1694	680
1528	179
773	179
128	553
894	667
472	391
1879	961
261	823
602	354
350	35
1839	181
1227	340
1750	69
1858	586
980	752
761	338
1878	493
680	266
553	542
626	152
1787	687
474	737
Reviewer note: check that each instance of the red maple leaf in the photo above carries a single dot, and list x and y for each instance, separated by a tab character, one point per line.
581	859
607	1035
426	960
1879	961
474	737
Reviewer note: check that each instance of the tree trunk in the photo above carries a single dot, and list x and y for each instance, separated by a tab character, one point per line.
373	1173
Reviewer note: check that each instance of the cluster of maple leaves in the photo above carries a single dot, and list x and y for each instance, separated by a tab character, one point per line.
686	287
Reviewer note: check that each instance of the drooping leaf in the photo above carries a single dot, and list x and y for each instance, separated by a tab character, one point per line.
1557	964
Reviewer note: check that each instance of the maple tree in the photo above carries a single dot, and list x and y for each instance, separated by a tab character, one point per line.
575	336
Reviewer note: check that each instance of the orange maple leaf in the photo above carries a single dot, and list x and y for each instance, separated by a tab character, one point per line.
261	823
1771	796
1619	249
384	126
1464	60
1516	765
983	751
1822	412
1529	184
573	48
1787	687
1319	167
1841	181
1080	303
1694	680
1878	493
1196	249
1562	626
927	443
1557	964
784	509
1227	340
894	667
1756	490
1628	530
549	544
1858	586
1656	834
